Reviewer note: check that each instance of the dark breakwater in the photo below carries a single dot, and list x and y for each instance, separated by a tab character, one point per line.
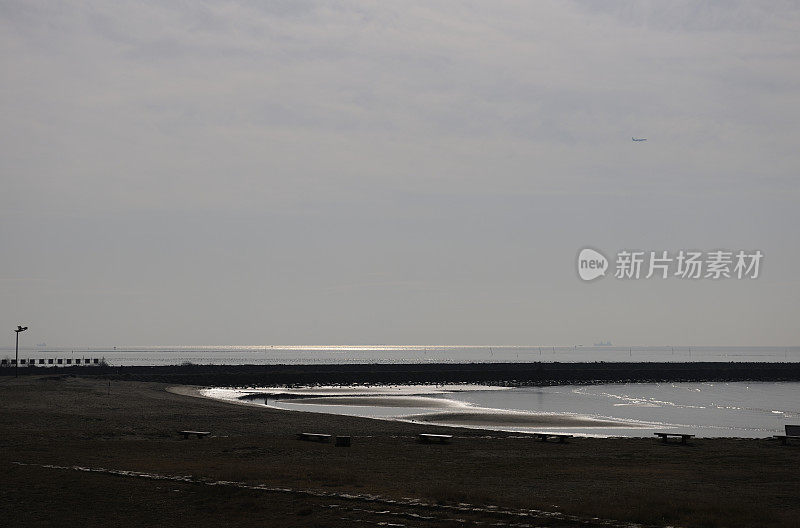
487	373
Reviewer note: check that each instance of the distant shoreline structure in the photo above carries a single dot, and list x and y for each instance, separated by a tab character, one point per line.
507	374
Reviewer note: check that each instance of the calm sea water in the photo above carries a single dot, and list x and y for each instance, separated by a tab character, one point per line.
273	355
736	409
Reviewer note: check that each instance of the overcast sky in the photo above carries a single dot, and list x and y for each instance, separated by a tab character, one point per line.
307	172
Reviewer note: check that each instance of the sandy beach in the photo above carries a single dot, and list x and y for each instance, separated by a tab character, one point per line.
514	419
457	413
378	401
77	451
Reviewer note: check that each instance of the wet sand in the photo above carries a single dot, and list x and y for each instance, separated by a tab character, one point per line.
379	401
468	416
512	420
252	470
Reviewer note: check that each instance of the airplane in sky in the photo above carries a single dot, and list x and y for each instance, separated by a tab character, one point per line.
639	139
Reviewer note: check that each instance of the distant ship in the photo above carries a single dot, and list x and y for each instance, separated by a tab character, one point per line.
603	343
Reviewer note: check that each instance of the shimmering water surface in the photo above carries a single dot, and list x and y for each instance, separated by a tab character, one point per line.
304	355
740	409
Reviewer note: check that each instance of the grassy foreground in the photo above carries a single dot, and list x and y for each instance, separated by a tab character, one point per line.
385	477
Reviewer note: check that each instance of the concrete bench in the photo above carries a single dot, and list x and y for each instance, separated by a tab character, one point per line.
544	437
427	438
199	434
683	436
314	437
792	432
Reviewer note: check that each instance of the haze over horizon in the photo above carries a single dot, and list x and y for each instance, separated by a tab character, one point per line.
309	172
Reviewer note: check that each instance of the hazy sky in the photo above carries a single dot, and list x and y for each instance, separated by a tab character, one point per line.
304	172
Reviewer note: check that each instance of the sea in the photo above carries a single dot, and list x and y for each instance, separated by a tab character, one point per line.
366	354
711	410
732	409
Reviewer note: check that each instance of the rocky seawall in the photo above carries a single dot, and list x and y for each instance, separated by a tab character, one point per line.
490	373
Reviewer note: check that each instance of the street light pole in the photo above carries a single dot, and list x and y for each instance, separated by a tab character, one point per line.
16	362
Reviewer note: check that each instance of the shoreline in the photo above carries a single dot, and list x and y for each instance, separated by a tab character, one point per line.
442	405
448	413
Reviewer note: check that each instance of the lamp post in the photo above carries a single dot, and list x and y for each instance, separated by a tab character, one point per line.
16	364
